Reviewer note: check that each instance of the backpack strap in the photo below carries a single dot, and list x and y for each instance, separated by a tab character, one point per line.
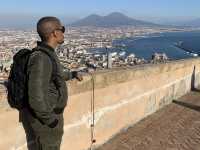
54	65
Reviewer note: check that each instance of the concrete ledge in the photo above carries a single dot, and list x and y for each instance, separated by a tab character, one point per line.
122	97
120	75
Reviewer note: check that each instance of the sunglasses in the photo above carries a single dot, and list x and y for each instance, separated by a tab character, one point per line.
62	29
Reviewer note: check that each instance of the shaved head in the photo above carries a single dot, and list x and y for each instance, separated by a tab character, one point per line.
46	26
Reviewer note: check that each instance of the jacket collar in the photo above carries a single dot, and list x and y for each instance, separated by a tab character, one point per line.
43	45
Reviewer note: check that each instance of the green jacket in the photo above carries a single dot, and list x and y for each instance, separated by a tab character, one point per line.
47	93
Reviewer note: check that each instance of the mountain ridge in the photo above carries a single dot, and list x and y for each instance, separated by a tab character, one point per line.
114	19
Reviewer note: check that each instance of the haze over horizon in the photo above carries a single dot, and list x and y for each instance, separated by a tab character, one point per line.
26	13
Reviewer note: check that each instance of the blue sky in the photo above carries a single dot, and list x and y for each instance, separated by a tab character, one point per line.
80	8
71	10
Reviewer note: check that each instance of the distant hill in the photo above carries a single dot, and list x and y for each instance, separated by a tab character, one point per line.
185	23
193	23
112	20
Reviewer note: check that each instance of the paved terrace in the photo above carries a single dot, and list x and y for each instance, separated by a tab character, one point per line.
175	127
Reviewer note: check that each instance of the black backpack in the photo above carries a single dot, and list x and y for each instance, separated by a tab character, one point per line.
17	85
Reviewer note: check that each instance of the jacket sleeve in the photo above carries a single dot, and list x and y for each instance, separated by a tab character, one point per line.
67	75
39	74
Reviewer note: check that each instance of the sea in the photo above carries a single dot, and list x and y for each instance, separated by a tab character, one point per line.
146	46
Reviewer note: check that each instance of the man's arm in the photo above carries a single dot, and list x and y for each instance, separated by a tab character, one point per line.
68	75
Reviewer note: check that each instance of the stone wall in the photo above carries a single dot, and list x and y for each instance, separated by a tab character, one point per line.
121	97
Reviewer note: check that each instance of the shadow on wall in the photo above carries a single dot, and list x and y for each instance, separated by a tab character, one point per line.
193	88
193	79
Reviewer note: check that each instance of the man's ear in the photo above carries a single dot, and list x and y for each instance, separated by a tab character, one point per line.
54	34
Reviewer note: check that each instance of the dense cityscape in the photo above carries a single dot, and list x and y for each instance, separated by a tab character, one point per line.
76	52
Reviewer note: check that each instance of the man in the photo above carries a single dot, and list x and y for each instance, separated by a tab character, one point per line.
47	91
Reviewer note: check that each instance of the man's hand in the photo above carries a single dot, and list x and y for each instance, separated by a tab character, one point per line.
77	75
53	124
